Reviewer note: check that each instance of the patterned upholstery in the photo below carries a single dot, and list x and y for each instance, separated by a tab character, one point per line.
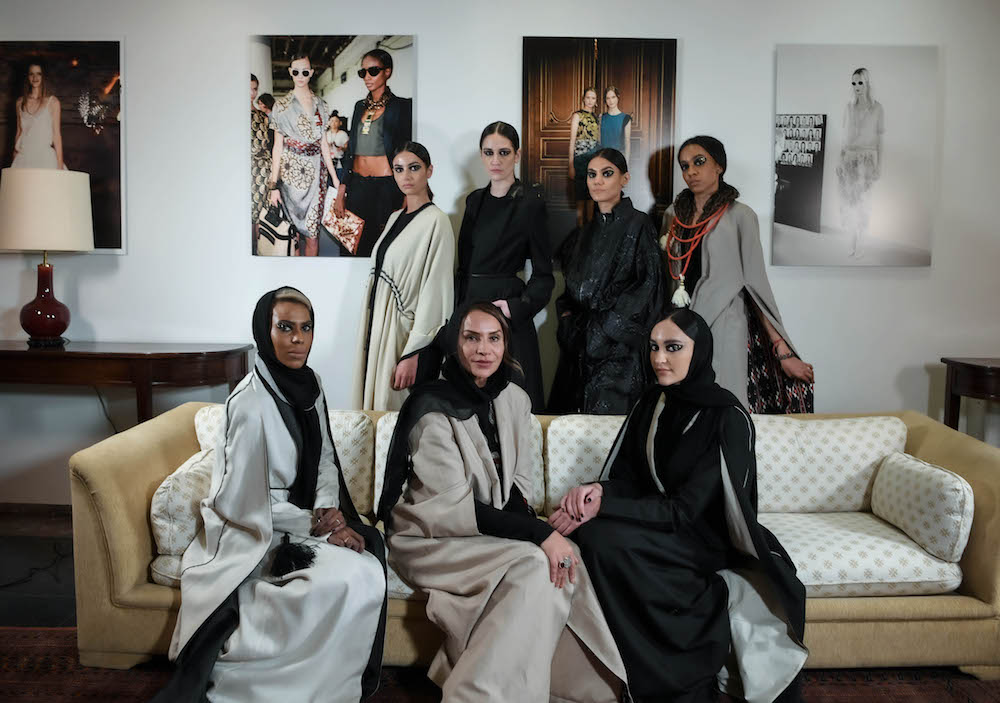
353	434
858	554
174	512
932	505
166	570
383	436
821	466
575	451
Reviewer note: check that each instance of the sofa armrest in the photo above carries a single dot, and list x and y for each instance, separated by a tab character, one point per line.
979	464
112	485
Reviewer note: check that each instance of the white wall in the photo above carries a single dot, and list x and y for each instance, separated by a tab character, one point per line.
875	336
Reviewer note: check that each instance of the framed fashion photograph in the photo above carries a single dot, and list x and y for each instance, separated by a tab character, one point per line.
61	107
327	112
582	94
863	192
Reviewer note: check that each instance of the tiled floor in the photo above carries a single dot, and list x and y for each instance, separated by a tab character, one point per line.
36	569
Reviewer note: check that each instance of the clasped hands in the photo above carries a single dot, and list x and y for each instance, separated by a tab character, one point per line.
581	504
332	521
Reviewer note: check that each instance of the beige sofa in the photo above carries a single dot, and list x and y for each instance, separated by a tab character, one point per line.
124	618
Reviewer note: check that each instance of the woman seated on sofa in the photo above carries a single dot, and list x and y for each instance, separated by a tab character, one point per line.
677	505
508	591
283	590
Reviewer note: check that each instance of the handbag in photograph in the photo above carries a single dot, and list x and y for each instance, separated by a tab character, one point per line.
276	235
346	229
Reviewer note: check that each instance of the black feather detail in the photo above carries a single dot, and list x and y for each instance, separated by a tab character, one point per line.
290	557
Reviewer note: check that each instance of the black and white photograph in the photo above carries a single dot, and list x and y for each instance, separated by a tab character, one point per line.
61	108
327	113
864	195
582	94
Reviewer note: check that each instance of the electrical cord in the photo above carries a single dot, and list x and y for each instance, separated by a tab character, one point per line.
104	407
38	569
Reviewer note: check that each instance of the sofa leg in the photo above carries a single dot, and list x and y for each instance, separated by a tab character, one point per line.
113	660
983	673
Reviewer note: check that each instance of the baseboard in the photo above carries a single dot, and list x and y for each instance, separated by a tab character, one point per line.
29	509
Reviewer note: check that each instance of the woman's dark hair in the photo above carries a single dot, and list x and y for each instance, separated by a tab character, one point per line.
26	88
299	55
383	57
685	318
418	150
495	312
254	79
504	130
614	156
266	100
612	89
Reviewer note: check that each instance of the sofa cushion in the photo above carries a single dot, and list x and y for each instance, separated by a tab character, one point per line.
166	570
576	447
858	554
353	434
383	437
809	466
930	504
174	512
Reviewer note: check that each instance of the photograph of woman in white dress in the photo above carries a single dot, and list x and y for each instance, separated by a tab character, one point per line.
38	141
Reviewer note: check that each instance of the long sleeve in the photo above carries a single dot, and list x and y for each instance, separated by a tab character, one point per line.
538	290
516	521
678	509
627	320
435	298
328	478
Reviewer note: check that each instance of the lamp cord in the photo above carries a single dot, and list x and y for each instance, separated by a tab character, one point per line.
104	407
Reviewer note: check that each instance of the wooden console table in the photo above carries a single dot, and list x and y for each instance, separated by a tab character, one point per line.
118	363
975	378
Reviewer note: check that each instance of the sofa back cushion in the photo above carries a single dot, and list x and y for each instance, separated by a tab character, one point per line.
933	506
575	449
174	512
383	437
353	434
819	466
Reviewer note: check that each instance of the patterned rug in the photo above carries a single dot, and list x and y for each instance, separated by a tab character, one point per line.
40	665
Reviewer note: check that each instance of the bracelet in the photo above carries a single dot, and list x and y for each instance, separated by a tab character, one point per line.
782	357
272	185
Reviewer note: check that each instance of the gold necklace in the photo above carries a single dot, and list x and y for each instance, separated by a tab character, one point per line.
373	106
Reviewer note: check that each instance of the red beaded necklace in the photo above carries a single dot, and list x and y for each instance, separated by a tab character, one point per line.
698	231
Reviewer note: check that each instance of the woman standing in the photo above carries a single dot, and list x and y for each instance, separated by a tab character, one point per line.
717	265
615	289
381	124
337	139
616	126
504	226
520	619
584	132
860	158
410	293
677	505
283	591
38	140
300	159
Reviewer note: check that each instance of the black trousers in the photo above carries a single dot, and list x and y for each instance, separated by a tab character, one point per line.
373	199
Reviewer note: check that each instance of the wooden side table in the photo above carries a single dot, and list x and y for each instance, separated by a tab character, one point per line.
974	378
118	363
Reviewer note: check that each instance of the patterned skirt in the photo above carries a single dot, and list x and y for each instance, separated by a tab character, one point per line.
769	390
855	178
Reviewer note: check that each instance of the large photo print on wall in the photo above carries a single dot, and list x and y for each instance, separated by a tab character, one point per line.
582	94
326	115
61	108
856	155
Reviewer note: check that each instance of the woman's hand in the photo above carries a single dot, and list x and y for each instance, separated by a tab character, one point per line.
504	307
405	373
572	171
348	538
558	549
274	197
562	522
338	204
582	503
328	520
796	368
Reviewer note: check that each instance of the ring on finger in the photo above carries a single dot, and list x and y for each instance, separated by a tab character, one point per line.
566	562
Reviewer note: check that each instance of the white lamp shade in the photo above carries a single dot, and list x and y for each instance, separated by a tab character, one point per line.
45	209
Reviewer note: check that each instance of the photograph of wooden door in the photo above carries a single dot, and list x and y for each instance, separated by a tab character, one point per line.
556	72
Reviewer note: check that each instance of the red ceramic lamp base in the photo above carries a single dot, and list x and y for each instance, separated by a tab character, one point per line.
45	318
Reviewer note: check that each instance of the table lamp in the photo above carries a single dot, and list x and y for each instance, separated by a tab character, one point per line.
43	210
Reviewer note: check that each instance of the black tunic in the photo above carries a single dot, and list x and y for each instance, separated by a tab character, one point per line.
653	555
497	236
615	291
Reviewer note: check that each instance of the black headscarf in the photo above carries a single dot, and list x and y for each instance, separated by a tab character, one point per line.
456	395
300	388
692	394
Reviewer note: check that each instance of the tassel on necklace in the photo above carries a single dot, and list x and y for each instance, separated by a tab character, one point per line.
681	299
290	557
